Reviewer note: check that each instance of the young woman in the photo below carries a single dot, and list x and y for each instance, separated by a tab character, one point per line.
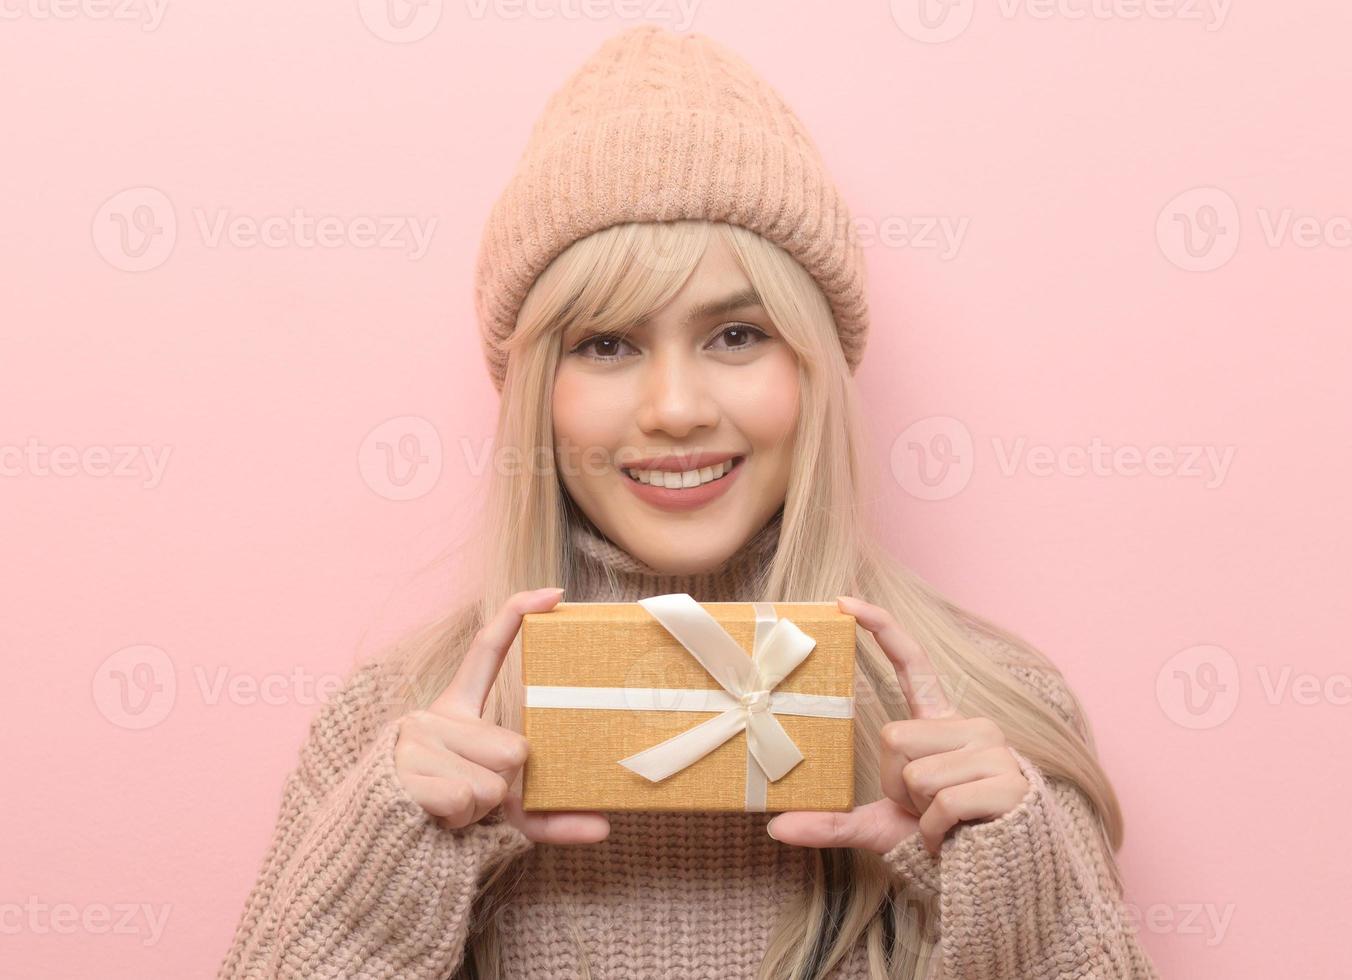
672	305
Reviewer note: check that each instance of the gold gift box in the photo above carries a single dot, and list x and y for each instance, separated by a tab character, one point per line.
574	752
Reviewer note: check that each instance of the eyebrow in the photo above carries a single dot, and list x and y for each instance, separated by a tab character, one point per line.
741	300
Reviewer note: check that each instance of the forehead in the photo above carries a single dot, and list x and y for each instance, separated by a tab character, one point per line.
716	286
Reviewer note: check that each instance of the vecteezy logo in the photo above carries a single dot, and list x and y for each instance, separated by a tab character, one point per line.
1199	229
400	21
135	687
135	229
1198	687
932	21
400	459
933	458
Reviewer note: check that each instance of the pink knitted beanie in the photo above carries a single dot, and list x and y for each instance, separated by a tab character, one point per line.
661	126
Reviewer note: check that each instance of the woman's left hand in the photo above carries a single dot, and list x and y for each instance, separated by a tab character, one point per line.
938	767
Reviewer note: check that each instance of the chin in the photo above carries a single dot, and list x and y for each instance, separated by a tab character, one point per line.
682	544
684	562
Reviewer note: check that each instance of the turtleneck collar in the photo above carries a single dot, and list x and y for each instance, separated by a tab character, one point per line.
608	573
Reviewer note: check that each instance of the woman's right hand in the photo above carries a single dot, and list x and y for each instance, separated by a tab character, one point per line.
458	767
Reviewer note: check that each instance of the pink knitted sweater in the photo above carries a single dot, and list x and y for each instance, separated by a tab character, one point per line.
360	882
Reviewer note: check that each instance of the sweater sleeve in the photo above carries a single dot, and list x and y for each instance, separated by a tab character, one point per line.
359	880
1028	895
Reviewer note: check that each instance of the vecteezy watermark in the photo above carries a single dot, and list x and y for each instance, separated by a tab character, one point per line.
1112	915
138	687
1205	919
939	233
406	21
1199	687
149	13
677	14
400	21
935	458
34	459
937	21
401	458
1189	462
1199	230
942	234
399	232
136	230
39	918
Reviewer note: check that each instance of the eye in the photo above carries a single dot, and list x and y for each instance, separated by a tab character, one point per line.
748	336
607	346
606	342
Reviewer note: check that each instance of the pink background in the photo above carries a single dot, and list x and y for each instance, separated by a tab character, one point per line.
1196	609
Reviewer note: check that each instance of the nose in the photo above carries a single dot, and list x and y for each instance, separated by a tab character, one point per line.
676	395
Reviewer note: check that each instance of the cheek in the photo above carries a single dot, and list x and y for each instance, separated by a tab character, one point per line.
767	405
581	416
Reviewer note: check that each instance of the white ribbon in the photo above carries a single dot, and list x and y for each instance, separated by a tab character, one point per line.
747	701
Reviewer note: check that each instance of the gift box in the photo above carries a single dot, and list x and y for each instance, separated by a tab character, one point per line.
671	704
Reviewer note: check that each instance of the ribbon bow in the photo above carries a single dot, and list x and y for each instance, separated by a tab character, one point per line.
751	702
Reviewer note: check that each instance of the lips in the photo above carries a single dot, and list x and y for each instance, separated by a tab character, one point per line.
679	462
684	498
684	478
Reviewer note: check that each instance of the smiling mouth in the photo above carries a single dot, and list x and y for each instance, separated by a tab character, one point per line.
685	480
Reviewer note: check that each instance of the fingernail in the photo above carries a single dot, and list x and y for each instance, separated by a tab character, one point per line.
769	829
550	589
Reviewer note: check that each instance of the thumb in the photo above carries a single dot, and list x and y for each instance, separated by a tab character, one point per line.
878	827
555	827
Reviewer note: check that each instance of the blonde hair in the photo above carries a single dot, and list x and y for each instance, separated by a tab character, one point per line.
827	547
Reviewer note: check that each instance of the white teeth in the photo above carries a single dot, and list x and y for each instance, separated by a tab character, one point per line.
677	481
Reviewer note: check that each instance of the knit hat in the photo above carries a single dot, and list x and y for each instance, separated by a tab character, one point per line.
662	126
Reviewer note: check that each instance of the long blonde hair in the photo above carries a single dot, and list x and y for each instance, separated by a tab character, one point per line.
827	547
